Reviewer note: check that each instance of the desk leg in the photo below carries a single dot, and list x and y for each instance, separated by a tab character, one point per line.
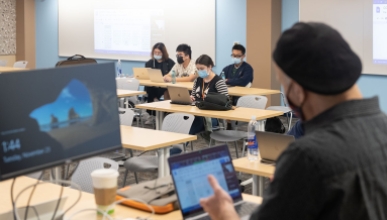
161	162
166	165
159	119
258	185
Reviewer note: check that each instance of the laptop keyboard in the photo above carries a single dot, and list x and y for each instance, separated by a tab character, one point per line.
243	209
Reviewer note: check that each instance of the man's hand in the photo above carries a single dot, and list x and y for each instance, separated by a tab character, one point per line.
192	98
220	205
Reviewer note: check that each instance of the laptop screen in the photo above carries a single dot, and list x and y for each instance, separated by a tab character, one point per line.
190	172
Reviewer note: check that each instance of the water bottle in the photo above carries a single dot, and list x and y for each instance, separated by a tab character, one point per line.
223	75
119	71
173	74
252	144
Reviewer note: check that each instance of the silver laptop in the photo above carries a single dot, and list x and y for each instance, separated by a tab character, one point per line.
271	145
179	95
189	173
42	211
155	75
140	73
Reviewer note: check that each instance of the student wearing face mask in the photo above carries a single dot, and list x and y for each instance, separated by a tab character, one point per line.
185	69
160	60
207	82
239	73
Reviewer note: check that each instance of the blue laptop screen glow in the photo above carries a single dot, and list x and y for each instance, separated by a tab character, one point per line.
191	182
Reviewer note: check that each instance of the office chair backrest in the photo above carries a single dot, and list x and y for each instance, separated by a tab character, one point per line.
20	64
252	101
82	177
178	122
127	117
3	63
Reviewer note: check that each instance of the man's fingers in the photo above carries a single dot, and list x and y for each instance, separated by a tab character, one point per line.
214	183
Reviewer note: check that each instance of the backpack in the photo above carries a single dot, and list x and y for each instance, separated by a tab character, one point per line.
274	125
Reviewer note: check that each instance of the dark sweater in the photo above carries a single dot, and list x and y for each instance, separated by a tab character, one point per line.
243	75
164	66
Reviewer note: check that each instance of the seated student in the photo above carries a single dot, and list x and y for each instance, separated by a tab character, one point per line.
239	73
207	81
160	60
338	169
185	69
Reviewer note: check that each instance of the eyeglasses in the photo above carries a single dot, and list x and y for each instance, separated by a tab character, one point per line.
236	56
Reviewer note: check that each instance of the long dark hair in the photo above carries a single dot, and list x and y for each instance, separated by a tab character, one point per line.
163	50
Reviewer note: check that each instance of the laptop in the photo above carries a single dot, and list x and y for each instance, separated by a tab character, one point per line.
189	173
44	210
140	73
179	95
271	145
155	75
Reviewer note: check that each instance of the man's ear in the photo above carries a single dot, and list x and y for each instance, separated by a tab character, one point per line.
298	94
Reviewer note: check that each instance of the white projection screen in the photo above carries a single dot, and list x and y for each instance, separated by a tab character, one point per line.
363	23
127	29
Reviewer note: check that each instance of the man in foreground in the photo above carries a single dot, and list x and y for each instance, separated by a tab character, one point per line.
338	170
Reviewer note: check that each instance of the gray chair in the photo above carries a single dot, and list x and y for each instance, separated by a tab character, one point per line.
285	109
3	63
175	122
226	136
82	177
20	64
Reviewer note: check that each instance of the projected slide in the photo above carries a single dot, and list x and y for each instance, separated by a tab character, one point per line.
127	31
380	31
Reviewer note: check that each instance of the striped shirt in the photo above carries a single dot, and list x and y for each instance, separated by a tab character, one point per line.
201	88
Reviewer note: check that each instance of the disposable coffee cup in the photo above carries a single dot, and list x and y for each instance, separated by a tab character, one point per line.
105	187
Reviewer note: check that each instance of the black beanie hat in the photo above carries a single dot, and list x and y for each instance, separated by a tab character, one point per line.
318	58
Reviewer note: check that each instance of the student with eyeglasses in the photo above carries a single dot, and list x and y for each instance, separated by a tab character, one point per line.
239	73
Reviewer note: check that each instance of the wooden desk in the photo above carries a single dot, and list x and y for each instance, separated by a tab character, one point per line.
257	169
50	191
122	93
239	114
147	139
10	69
242	91
147	82
233	91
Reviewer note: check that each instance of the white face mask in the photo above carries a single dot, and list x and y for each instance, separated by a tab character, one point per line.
157	57
236	60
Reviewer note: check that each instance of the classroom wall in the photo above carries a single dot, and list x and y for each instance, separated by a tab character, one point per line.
230	27
370	85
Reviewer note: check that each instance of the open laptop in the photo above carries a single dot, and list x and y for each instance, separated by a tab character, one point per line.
179	95
140	73
271	145
155	75
189	173
44	210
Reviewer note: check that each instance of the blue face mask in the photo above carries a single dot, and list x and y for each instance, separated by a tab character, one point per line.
202	73
236	60
157	57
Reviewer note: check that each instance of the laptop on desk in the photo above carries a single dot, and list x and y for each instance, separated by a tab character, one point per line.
189	173
271	145
155	75
140	73
179	95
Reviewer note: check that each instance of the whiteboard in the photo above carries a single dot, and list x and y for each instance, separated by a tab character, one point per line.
127	29
360	22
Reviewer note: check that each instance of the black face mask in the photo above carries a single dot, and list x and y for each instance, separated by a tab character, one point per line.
180	59
296	109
